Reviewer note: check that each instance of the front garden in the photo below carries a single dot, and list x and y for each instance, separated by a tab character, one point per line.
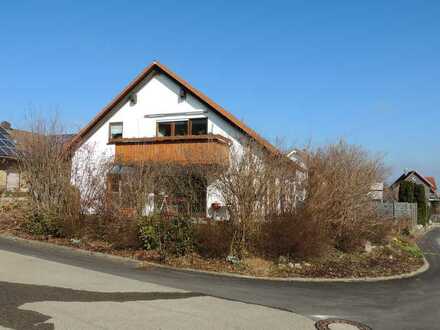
206	246
333	232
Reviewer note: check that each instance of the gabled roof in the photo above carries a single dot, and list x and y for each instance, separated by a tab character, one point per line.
429	181
157	67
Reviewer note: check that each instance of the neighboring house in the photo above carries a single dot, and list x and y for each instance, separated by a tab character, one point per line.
9	173
159	117
11	142
431	193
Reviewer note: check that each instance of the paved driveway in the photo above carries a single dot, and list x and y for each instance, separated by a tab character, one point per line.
401	304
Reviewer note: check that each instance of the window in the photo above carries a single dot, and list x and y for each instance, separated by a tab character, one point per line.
197	126
116	130
181	128
174	128
164	129
113	181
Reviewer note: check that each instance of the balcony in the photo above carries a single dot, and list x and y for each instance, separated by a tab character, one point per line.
209	149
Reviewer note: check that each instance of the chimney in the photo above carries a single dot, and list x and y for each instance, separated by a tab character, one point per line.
6	125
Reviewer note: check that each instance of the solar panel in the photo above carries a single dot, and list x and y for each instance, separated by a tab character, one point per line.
7	145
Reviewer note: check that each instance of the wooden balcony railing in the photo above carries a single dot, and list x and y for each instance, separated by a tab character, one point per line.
207	149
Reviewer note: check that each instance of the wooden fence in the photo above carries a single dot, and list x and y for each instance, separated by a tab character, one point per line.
398	211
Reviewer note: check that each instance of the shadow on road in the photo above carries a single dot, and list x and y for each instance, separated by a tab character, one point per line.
14	295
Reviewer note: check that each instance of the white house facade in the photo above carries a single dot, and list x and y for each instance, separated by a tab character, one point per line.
159	110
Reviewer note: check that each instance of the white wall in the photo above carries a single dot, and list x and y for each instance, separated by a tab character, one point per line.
158	95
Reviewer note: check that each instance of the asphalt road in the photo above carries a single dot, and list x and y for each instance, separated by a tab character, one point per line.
46	295
399	304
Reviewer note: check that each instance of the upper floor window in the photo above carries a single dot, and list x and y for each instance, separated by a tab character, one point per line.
197	126
181	128
115	131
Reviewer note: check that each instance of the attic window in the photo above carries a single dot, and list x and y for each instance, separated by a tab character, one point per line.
115	131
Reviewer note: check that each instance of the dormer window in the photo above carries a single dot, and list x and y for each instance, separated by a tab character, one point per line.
198	126
115	131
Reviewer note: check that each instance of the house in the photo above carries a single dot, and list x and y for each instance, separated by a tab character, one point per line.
9	173
159	117
12	142
429	183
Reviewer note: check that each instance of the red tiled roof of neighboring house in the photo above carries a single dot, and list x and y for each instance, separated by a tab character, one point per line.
430	183
158	67
431	180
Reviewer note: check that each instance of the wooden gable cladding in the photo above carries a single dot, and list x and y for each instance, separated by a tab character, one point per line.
207	149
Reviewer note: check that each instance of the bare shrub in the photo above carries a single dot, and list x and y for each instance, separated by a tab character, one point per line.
43	159
381	229
257	183
122	232
291	235
181	190
162	198
339	180
213	239
89	170
65	188
164	188
171	236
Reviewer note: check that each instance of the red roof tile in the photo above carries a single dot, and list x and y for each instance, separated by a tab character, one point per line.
431	180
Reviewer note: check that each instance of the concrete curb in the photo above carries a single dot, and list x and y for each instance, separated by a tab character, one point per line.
419	271
145	264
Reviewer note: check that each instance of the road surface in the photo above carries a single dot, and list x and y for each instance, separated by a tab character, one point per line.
109	294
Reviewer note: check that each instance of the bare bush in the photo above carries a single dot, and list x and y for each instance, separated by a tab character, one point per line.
292	235
213	239
43	160
139	189
89	170
260	193
257	183
339	180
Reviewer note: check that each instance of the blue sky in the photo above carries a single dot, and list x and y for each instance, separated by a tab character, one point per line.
366	71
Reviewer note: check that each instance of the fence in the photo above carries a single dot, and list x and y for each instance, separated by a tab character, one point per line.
399	211
435	218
